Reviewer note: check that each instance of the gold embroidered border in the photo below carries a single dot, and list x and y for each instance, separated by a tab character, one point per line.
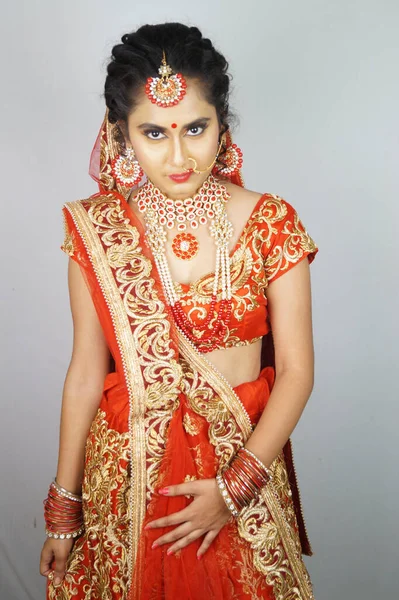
292	549
133	376
217	382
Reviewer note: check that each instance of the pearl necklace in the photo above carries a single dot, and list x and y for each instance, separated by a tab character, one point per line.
151	202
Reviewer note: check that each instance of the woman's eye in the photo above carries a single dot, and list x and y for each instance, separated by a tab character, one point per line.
197	130
154	135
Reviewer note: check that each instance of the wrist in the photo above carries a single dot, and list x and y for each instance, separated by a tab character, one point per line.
242	480
69	483
63	513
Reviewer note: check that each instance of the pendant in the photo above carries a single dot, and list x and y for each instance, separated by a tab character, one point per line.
185	246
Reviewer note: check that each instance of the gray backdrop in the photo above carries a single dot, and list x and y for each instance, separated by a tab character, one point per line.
316	88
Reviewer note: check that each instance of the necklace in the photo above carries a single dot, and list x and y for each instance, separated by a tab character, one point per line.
182	214
211	198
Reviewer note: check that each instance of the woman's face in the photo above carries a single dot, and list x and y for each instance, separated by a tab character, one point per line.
164	138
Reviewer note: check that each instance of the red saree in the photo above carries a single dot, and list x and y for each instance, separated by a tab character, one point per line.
167	416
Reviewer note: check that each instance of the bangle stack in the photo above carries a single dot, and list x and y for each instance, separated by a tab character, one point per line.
63	513
242	480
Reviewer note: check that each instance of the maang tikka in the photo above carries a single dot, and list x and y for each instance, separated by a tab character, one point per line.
168	89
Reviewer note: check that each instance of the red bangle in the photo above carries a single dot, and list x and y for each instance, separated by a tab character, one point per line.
244	477
62	513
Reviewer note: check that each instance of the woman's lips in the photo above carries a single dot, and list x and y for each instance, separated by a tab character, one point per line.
181	177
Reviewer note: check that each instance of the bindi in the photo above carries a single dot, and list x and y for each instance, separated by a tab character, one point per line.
174	125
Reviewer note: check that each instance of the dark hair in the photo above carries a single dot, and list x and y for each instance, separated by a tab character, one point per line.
140	55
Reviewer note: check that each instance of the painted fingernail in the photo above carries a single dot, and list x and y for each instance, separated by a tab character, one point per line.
148	526
155	544
170	551
164	491
199	556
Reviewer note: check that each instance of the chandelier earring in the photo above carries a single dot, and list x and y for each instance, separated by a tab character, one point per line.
126	170
229	160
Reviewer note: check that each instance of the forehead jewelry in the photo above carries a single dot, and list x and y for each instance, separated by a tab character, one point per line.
168	89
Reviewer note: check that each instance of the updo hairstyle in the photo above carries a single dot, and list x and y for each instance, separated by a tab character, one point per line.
187	52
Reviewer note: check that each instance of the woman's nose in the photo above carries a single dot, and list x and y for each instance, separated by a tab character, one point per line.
177	156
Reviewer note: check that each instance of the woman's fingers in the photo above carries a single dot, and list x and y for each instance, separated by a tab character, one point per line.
55	552
175	534
186	540
189	487
46	559
173	519
208	539
60	565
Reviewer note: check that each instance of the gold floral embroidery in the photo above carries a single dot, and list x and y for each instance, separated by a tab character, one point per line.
191	427
294	239
68	246
223	432
253	581
105	504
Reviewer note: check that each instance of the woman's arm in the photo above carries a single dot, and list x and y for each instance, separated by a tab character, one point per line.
82	394
83	384
289	304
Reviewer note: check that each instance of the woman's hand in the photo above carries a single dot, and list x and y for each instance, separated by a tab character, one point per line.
57	550
206	515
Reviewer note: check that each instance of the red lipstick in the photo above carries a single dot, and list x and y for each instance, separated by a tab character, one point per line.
181	177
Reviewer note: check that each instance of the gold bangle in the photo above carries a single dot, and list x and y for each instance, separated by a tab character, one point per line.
65	492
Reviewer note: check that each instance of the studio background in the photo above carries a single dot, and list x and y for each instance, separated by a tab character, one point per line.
317	93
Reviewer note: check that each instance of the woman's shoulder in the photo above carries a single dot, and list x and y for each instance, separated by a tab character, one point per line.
261	206
283	238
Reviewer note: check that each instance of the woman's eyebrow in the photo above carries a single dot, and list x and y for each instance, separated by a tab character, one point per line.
153	126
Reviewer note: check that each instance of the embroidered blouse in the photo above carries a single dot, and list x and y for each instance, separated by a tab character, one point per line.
272	242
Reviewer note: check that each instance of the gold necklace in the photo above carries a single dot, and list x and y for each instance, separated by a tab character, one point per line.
183	214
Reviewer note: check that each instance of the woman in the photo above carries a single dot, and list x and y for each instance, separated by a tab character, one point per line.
178	405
